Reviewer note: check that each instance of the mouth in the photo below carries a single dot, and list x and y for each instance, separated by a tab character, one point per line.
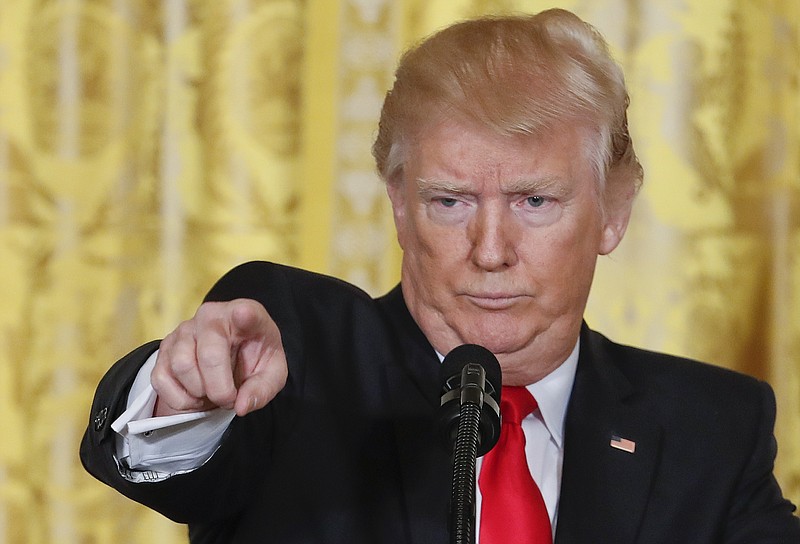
494	301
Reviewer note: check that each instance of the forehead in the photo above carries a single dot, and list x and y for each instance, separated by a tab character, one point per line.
452	152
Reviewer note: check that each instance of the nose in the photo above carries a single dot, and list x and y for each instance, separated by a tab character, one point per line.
493	239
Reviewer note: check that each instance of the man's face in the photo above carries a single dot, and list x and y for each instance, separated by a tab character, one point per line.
500	238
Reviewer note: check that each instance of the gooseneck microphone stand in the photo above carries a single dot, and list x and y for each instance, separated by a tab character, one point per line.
469	417
462	496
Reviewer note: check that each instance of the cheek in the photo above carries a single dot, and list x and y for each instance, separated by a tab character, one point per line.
433	257
585	231
566	256
428	256
435	242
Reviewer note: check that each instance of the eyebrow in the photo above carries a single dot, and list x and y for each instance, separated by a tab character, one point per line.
427	186
522	186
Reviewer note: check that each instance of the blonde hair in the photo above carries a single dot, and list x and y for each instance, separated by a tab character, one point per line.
516	75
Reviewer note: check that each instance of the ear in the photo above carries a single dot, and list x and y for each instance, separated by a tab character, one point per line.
395	188
617	216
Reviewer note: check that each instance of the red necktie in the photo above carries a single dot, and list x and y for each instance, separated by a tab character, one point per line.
512	509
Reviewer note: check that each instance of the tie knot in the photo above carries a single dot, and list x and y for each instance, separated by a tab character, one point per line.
515	404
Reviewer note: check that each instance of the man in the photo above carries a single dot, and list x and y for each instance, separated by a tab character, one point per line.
295	408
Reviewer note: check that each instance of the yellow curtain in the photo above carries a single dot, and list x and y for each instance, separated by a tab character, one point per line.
146	147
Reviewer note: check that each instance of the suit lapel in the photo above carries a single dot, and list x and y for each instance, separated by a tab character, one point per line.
604	489
413	379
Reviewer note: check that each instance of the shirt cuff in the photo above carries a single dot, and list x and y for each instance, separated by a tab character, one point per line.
155	448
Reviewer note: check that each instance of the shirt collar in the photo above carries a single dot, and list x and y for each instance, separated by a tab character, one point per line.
552	395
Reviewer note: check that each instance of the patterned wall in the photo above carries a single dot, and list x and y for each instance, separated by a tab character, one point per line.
146	147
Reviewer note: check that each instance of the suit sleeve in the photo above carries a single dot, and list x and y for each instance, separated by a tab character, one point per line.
301	303
98	448
759	514
191	496
183	497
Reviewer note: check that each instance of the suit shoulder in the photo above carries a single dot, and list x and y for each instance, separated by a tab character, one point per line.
255	279
677	378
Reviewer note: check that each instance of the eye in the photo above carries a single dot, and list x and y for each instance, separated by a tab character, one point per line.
447	202
536	201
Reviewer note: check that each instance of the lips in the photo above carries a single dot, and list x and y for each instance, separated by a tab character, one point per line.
494	301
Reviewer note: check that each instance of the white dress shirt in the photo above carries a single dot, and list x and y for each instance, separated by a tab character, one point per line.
155	448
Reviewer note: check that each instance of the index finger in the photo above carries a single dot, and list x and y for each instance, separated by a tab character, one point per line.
248	320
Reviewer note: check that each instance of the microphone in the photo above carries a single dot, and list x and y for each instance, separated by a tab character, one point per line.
470	374
470	419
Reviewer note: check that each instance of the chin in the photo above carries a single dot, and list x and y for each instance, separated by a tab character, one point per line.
497	341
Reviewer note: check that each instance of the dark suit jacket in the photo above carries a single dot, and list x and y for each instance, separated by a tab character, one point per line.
349	451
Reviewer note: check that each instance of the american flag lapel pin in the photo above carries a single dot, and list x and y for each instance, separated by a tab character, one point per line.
623	444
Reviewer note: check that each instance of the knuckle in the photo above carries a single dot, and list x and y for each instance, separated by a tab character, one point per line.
183	403
212	358
208	312
159	381
183	330
248	315
182	365
222	397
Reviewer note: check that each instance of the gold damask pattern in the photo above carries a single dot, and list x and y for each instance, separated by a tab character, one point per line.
146	147
363	231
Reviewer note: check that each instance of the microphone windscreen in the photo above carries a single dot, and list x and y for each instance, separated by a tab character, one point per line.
461	356
451	388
